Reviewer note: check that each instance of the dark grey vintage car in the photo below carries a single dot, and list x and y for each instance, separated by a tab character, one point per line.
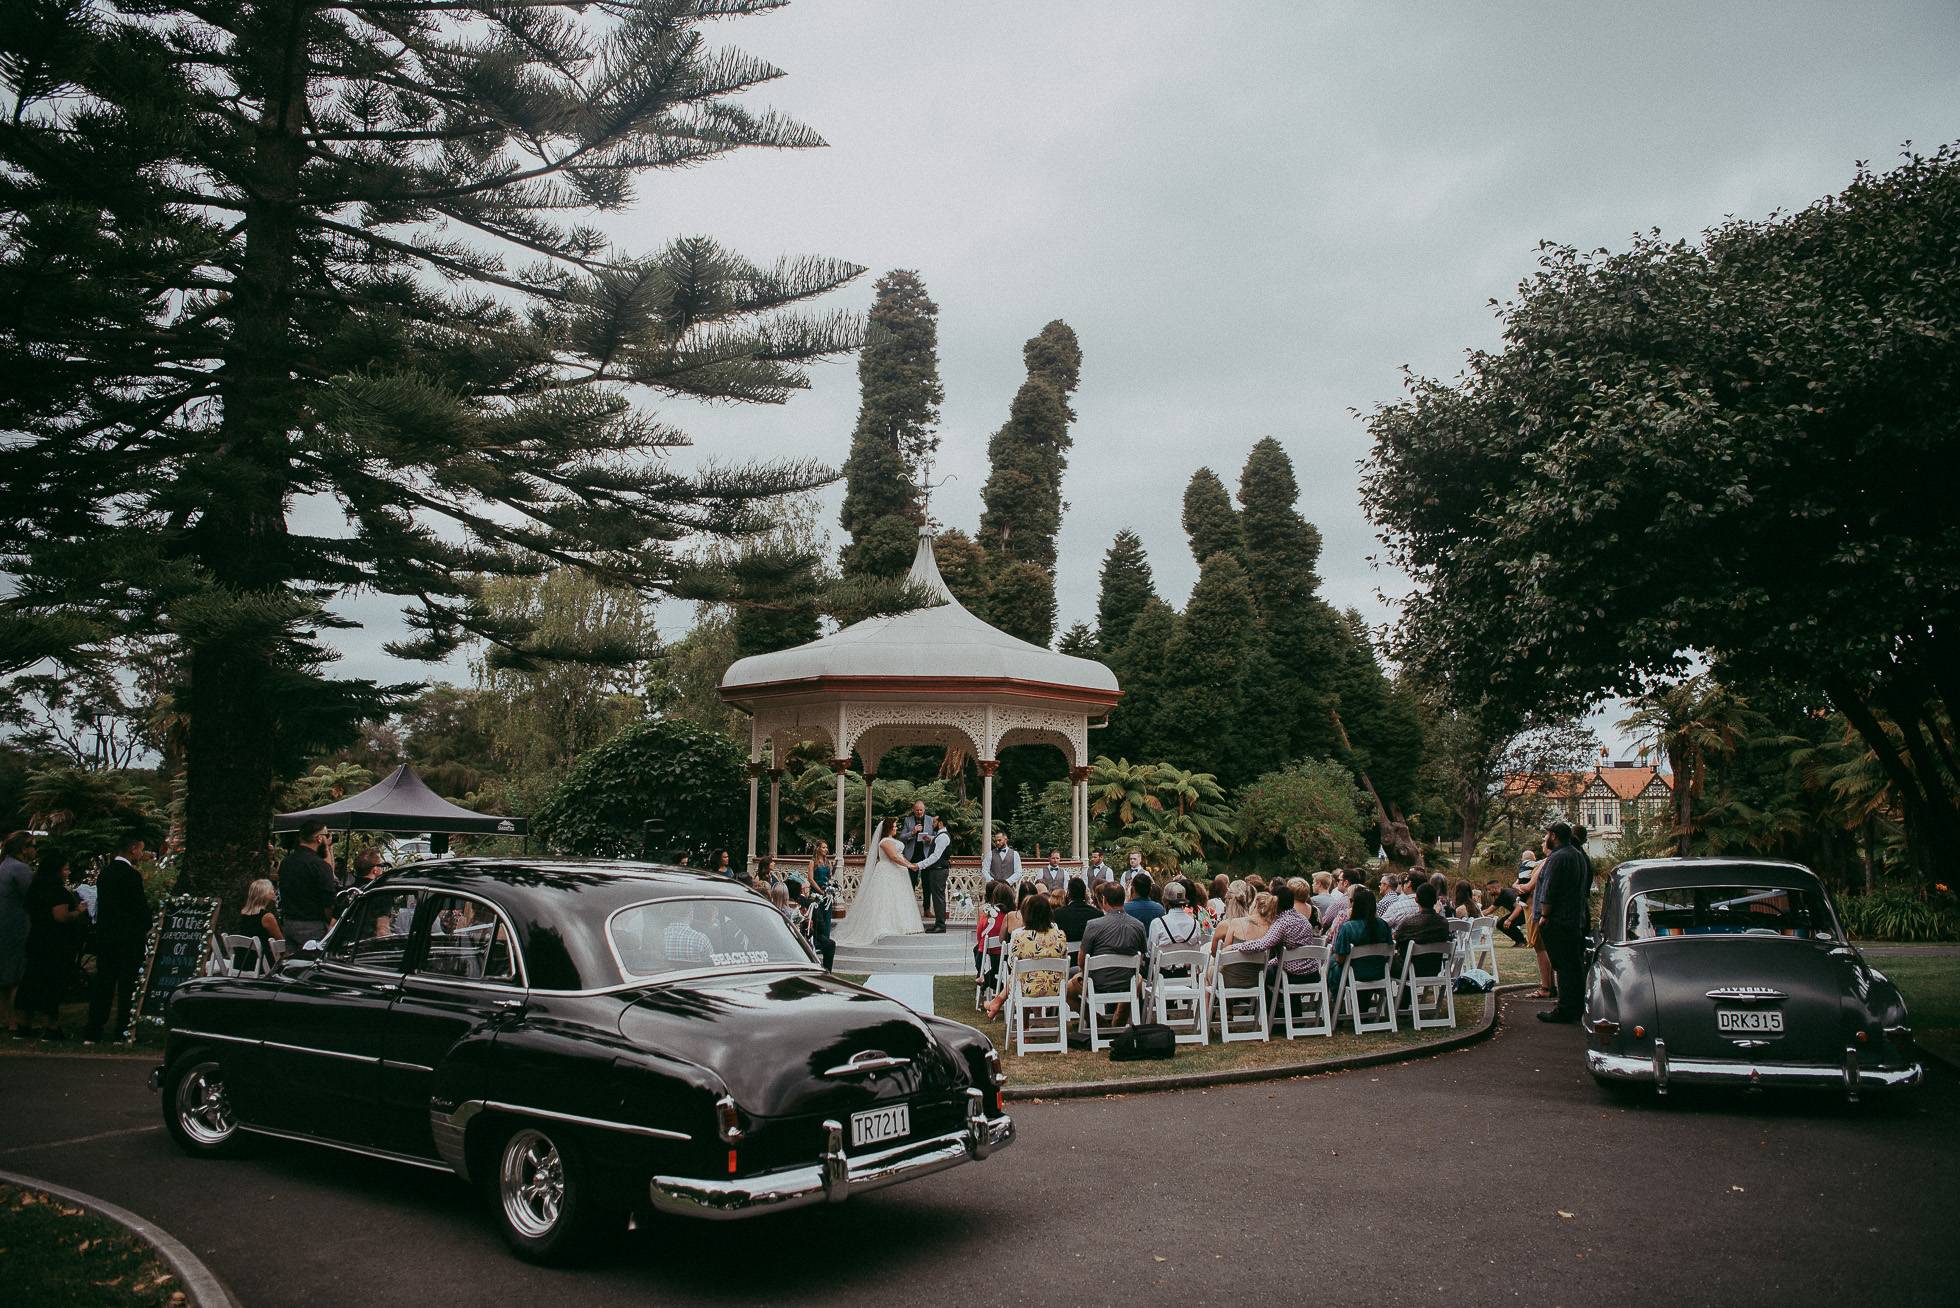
581	1040
1736	972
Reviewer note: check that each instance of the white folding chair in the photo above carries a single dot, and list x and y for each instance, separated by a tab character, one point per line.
1350	1003
1182	1002
1024	1010
1311	994
1252	998
1099	1004
1459	942
1483	945
987	981
1437	989
230	947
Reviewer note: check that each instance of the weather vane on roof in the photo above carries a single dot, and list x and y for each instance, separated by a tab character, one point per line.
927	486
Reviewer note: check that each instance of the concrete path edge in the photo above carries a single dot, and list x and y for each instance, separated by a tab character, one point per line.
201	1284
1276	1072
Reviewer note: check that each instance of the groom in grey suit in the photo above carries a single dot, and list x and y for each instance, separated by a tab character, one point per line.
933	867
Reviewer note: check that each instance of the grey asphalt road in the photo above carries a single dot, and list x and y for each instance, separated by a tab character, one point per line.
1443	1181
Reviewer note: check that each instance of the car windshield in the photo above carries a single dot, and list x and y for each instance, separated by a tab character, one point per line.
1729	911
671	935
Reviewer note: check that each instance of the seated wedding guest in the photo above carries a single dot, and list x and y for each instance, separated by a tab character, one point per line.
1290	930
1178	925
1115	932
1248	918
1402	904
1466	900
1143	905
1076	914
1039	938
1256	884
1361	928
258	921
1425	926
779	896
987	936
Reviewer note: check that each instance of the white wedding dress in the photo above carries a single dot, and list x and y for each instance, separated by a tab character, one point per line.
886	904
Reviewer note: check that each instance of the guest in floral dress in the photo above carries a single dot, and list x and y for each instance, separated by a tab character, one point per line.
1038	937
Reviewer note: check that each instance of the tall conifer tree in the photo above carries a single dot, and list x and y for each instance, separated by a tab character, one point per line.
1021	602
897	428
1023	494
259	252
1139	668
1210	521
1204	671
1126	587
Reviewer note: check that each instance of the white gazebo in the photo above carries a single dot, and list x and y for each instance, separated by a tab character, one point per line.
935	676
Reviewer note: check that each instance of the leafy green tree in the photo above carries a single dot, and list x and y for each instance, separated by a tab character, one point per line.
1023	494
87	813
1311	809
692	778
1204	666
1119	792
1126	587
963	567
256	253
1209	518
1040	820
1737	449
897	427
1472	749
1140	668
1080	642
1022	602
1691	723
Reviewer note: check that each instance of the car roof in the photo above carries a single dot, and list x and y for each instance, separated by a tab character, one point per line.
545	896
1668	873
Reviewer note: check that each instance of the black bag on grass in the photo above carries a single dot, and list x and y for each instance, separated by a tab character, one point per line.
1143	1040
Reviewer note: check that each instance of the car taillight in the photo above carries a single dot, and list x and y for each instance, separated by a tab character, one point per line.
1899	1035
999	1079
727	1121
1606	1028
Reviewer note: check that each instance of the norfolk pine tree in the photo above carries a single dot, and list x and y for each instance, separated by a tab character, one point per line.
1204	671
1126	587
260	252
1023	494
897	428
1210	521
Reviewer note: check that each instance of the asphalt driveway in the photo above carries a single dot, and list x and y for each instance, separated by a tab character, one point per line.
1442	1181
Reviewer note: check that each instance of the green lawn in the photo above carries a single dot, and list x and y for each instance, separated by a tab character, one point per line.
953	997
57	1255
1930	983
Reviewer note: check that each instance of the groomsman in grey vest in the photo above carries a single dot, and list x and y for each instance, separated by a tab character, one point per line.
1004	864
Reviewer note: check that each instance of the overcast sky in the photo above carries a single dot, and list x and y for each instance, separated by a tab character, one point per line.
1253	215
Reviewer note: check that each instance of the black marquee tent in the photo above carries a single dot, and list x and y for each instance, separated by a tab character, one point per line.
401	802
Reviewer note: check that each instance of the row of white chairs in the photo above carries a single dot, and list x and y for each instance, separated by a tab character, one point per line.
1187	991
230	948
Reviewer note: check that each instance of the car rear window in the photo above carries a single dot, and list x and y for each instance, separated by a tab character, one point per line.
1729	911
672	935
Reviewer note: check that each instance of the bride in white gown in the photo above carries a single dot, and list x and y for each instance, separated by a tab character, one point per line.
885	903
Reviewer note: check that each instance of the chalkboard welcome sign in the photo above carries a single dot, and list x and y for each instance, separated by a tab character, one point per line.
180	942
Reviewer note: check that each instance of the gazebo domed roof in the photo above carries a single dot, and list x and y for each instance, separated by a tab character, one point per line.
945	648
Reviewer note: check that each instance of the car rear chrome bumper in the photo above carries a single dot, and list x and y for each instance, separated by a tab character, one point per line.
834	1176
1747	1075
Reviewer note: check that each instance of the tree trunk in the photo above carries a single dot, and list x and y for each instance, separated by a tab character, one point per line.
228	775
1871	853
1472	819
1932	819
239	538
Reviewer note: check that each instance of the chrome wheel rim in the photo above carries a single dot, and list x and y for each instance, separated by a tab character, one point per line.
203	1111
532	1184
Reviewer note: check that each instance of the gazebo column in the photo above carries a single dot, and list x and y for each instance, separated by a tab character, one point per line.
1079	795
755	781
775	807
869	777
840	766
988	766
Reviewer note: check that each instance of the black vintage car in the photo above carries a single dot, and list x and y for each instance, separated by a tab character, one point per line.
1736	972
581	1040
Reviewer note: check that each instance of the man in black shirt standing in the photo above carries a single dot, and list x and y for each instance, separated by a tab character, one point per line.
307	887
122	929
1562	926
